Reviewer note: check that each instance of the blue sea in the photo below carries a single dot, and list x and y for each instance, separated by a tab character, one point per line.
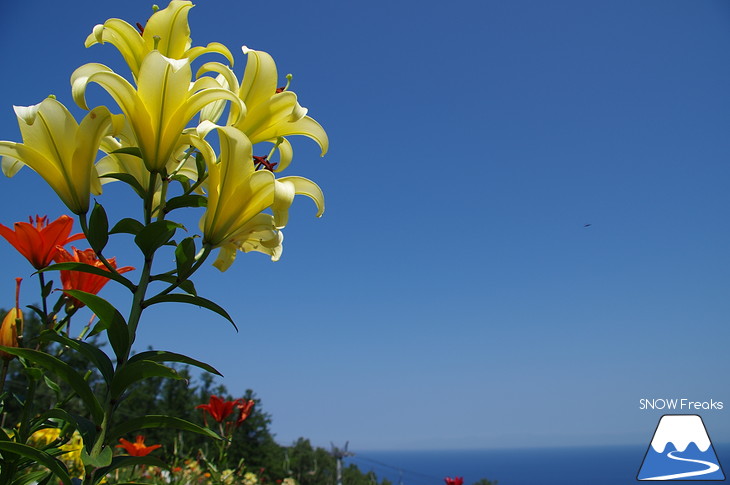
610	465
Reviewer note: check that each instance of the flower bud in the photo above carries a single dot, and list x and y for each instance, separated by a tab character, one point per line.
9	331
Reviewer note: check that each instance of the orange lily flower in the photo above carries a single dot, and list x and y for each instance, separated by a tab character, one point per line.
137	448
86	282
39	242
12	325
218	408
244	410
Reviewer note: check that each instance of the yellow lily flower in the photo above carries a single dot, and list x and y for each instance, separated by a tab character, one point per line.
259	234
271	114
167	31
161	106
237	193
62	151
285	190
237	196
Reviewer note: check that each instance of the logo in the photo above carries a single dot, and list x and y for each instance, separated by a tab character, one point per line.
680	450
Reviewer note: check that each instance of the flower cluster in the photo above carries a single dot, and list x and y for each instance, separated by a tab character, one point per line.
42	243
219	410
168	112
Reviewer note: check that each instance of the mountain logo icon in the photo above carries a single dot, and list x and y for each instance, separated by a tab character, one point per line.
680	450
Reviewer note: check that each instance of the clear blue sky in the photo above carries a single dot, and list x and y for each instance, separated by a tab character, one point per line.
451	296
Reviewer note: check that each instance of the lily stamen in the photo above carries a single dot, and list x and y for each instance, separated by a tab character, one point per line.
263	162
288	82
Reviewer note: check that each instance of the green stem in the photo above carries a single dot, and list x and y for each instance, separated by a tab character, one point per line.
46	317
23	432
6	365
197	184
160	209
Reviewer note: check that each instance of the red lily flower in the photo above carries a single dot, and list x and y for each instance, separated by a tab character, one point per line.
87	282
454	481
137	448
218	408
39	243
244	410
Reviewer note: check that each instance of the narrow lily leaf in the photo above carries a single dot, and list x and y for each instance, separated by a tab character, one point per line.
200	165
127	461
129	180
87	268
192	200
191	300
183	181
186	285
185	256
135	151
153	421
136	371
86	428
127	226
39	456
55	413
155	235
29	478
47	289
37	311
65	372
109	319
91	352
165	356
98	229
53	387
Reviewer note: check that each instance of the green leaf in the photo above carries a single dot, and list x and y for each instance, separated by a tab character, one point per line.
135	151
98	233
91	352
127	226
191	200
154	421
165	356
65	372
182	180
191	300
87	268
187	285
200	165
185	256
129	180
109	319
56	466
133	372
155	235
104	458
33	373
86	428
47	289
55	413
33	477
53	387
